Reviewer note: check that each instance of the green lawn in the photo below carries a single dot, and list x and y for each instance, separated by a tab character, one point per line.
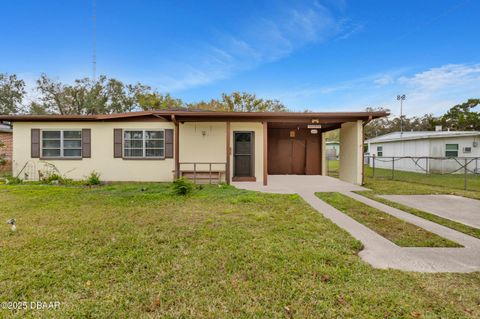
396	230
115	251
380	186
333	167
451	183
472	231
396	187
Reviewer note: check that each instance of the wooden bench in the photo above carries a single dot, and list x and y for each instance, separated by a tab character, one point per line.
203	172
203	177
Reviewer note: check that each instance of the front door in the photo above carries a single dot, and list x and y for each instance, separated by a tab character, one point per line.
243	154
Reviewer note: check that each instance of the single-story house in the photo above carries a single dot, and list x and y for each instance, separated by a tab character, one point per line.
6	151
333	149
446	151
202	145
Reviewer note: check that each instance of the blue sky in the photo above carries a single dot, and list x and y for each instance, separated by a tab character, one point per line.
321	55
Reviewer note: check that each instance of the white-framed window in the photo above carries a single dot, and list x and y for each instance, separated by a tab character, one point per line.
61	143
451	150
144	143
379	150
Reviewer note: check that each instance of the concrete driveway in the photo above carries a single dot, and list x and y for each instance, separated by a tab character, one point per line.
460	209
378	251
290	184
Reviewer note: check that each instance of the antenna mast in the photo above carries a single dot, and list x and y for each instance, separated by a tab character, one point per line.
94	42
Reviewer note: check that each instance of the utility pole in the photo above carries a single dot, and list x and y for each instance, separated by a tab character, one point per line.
401	98
94	42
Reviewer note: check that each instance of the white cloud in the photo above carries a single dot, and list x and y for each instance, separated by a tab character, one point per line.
365	83
259	40
433	91
350	31
437	89
444	77
384	80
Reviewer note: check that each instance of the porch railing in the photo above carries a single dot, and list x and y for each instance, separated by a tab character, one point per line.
199	172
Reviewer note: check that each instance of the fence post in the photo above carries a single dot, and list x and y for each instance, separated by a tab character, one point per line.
393	168
373	166
427	159
465	175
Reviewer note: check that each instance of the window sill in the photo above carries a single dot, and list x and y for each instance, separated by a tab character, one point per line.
61	158
143	158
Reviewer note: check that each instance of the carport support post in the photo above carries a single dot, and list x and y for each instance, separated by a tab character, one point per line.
351	150
324	161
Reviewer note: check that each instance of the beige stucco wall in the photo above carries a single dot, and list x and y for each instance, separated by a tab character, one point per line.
199	142
256	127
102	160
351	150
203	142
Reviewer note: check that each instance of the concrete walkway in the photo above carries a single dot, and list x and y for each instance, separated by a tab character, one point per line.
457	208
378	251
290	184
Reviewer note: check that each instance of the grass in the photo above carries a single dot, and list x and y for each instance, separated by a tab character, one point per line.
394	229
333	167
395	187
431	183
381	186
472	231
117	251
452	181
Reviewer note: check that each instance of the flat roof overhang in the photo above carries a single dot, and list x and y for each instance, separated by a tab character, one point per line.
330	120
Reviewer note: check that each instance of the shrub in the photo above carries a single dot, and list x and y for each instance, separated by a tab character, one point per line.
55	179
182	186
11	180
3	161
93	179
52	178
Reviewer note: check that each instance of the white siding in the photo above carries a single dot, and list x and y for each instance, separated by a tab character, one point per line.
434	147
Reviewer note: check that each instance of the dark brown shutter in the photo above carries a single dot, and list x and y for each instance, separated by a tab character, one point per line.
86	143
117	143
169	143
35	143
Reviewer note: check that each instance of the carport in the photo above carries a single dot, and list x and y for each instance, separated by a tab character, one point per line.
296	145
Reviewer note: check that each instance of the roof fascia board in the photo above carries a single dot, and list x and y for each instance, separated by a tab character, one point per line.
421	138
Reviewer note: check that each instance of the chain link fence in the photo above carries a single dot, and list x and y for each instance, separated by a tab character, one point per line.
455	172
